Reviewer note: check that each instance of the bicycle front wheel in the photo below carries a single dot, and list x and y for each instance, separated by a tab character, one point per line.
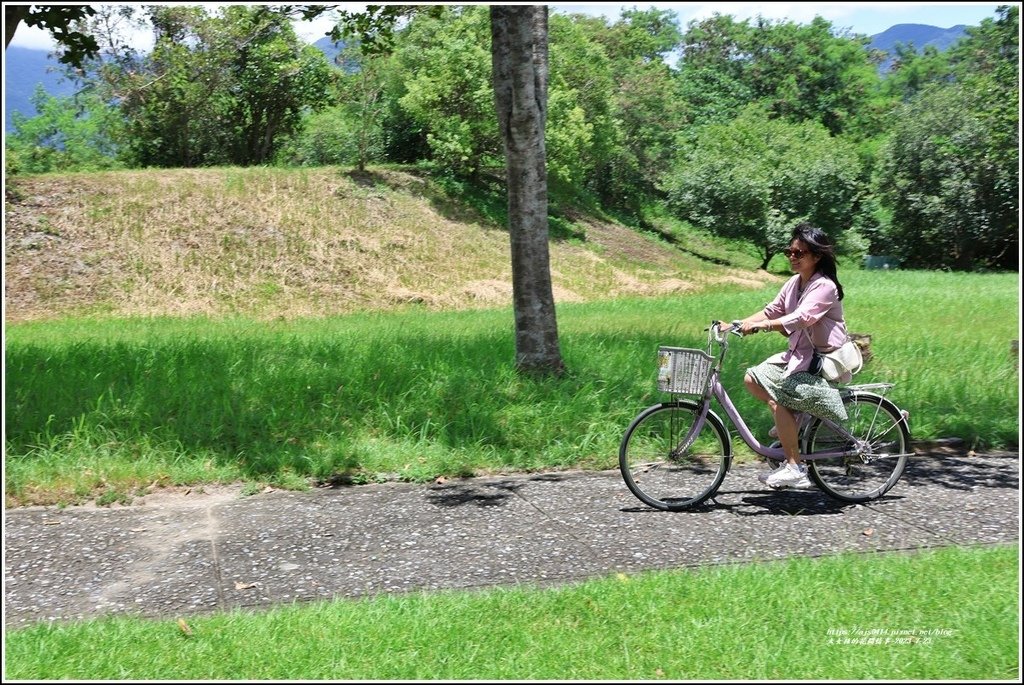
667	463
877	431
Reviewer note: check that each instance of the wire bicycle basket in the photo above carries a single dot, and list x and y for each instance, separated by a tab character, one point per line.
683	371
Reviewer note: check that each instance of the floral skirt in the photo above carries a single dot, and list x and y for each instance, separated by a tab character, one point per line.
800	391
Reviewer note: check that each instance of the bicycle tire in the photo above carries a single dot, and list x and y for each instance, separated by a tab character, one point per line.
884	438
674	482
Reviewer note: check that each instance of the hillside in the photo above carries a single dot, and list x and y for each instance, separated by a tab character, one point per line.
307	242
918	35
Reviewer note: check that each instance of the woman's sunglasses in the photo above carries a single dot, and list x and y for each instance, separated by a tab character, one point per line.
794	254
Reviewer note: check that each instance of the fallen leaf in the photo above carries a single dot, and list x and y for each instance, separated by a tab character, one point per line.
51	523
869	532
184	627
660	673
244	586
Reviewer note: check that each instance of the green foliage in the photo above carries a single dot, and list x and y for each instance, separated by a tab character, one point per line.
225	89
447	67
60	21
755	178
953	202
630	101
804	72
949	172
581	131
992	49
77	133
912	71
329	137
352	131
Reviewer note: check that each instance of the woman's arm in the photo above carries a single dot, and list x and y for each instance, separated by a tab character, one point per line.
766	319
820	297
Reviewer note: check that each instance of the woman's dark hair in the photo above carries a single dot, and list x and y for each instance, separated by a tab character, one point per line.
822	246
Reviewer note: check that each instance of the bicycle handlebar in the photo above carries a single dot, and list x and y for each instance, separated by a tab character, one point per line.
716	330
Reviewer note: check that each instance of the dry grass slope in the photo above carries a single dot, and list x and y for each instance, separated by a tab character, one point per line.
286	243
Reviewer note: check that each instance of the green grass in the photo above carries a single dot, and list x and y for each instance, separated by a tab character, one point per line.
949	614
114	405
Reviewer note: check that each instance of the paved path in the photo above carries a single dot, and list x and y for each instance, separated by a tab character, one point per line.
173	557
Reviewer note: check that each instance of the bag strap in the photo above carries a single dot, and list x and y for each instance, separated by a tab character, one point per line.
815	348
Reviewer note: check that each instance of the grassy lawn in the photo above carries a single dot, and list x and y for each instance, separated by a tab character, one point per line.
945	614
108	408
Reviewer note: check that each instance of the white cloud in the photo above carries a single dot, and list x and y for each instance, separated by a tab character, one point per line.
311	31
33	38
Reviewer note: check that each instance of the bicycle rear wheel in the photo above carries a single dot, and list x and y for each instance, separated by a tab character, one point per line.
878	431
669	465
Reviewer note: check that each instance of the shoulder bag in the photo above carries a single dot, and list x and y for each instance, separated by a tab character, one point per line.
838	365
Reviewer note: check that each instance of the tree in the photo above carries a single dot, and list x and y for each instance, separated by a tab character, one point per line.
912	71
946	181
519	62
360	94
803	72
447	88
949	172
754	178
613	109
58	20
223	89
274	78
519	66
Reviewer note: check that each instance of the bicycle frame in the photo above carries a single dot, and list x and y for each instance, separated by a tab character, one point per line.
718	391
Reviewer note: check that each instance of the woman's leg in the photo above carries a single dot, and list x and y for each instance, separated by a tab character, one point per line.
785	422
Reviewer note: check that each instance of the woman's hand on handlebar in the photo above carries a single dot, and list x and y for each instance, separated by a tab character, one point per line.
740	327
722	328
748	327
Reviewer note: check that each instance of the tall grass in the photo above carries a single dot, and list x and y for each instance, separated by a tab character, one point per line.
93	404
840	618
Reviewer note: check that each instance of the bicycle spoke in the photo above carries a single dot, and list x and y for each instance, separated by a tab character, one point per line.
876	440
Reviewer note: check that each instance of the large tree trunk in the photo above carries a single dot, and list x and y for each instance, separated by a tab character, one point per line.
519	57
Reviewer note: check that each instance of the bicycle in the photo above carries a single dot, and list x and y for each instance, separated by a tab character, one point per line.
674	455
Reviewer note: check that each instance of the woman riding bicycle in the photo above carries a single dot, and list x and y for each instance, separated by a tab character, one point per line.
809	311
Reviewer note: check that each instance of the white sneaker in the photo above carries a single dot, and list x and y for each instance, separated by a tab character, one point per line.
763	476
789	476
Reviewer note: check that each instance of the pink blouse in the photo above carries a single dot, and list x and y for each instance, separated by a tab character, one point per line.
817	311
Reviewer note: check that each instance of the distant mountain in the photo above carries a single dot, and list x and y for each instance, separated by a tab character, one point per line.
330	49
918	35
23	69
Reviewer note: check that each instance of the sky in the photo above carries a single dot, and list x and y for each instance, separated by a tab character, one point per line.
867	18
